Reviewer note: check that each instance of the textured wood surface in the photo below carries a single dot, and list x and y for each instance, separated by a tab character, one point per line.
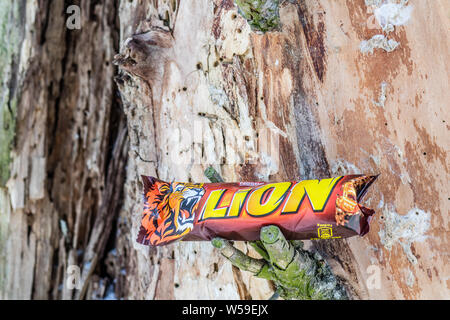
199	87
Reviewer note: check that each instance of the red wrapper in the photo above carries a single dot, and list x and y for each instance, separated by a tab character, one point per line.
303	210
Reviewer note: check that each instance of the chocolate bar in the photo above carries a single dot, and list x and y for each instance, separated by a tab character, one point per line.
303	210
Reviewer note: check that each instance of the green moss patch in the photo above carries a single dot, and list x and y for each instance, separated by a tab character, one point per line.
262	15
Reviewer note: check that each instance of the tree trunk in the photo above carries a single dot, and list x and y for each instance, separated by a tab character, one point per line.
292	95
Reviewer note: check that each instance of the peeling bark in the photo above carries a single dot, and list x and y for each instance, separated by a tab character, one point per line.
196	86
67	128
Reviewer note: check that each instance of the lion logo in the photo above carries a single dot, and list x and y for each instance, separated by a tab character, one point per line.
169	211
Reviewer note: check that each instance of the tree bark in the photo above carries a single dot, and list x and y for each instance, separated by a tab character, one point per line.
68	150
199	85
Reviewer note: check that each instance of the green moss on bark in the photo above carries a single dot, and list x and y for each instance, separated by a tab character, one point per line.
7	133
9	48
261	15
309	279
11	32
299	274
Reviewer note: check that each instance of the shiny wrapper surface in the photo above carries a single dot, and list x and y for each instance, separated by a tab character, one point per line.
303	210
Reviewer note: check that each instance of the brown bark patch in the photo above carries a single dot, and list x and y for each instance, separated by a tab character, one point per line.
314	30
244	294
165	286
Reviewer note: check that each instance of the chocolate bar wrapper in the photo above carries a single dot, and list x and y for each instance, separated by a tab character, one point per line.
303	210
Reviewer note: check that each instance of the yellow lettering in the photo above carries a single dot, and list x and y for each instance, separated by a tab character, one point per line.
237	203
266	199
294	198
317	192
210	209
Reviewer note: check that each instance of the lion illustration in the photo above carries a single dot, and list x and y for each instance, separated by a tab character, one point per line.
168	210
